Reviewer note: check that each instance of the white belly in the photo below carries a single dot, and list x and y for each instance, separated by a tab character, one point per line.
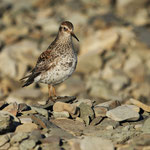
59	73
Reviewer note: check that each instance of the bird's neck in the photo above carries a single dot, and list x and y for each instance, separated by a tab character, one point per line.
60	40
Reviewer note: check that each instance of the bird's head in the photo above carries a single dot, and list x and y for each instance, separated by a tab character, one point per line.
66	28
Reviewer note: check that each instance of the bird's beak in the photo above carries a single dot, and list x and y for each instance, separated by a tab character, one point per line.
74	36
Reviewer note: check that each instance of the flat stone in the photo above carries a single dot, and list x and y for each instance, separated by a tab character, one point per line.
41	111
122	113
140	104
27	127
25	119
60	106
18	137
110	104
107	121
96	121
86	113
86	101
4	139
47	146
51	139
42	122
91	143
62	114
36	135
27	145
146	126
133	107
71	126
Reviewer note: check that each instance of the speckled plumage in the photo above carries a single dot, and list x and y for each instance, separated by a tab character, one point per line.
58	62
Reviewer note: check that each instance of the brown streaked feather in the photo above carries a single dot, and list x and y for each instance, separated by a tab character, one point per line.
43	64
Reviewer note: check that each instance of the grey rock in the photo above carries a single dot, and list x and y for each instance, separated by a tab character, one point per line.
69	125
102	108
86	65
47	146
86	113
109	104
142	140
100	89
122	113
133	107
27	145
18	137
36	135
53	141
92	143
41	111
6	122
146	126
119	81
107	121
133	61
63	114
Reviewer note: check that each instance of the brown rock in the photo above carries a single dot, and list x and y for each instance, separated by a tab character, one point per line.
100	111
60	106
12	108
140	104
27	127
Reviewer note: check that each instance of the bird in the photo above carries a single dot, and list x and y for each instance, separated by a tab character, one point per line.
57	62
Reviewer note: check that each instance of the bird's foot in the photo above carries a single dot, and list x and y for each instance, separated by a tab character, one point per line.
52	98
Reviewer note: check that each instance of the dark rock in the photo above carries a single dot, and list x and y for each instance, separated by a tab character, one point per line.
86	113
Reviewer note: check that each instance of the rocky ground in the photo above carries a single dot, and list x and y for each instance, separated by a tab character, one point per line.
108	97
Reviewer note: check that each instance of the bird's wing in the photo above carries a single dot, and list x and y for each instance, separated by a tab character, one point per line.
45	61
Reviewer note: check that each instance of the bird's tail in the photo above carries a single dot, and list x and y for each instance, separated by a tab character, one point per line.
30	79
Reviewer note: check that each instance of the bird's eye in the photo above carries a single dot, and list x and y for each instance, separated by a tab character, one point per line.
65	29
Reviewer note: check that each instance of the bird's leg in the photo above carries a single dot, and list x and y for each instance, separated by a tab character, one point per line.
54	91
49	90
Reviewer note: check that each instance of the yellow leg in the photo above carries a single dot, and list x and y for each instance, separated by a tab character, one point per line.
49	90
54	91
